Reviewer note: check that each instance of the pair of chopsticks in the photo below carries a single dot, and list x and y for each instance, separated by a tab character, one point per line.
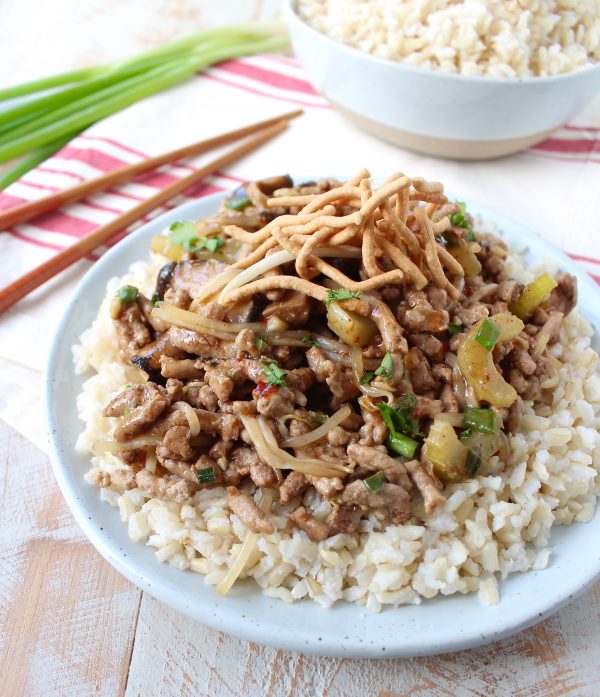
263	130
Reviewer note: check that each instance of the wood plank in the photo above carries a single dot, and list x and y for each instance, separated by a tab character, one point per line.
174	655
67	618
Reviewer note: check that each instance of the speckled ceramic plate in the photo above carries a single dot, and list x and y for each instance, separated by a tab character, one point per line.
439	625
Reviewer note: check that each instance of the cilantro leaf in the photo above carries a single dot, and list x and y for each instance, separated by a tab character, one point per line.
367	377
308	340
275	375
385	370
340	294
183	233
259	342
400	414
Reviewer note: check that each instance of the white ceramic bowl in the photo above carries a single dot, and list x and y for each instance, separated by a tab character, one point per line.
434	112
439	625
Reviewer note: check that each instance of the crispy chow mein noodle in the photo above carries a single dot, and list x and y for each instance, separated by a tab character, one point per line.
327	351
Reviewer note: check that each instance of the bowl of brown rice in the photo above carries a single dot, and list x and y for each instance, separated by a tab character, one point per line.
465	80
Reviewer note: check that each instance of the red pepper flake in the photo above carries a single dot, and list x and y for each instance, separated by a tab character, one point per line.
263	389
468	292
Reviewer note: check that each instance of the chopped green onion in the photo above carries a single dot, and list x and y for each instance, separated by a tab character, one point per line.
275	375
481	420
398	420
211	243
473	463
454	328
158	303
238	204
487	335
318	417
470	236
340	294
127	294
206	475
374	482
403	445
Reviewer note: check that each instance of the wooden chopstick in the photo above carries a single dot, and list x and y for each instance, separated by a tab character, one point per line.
31	209
44	272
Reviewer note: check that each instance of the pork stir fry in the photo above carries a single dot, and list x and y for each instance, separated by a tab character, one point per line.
365	344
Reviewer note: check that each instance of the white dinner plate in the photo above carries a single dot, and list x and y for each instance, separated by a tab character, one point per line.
439	625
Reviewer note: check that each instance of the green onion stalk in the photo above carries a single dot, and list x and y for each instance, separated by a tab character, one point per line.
44	123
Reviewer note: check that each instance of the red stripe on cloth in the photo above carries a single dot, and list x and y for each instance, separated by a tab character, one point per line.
226	175
116	143
290	100
64	224
268	77
37	243
555	158
596	278
36	185
579	257
62	172
578	146
8	201
582	128
90	156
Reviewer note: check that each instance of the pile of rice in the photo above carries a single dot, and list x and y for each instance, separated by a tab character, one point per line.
472	37
490	527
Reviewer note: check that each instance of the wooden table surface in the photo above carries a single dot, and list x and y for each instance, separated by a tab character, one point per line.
71	625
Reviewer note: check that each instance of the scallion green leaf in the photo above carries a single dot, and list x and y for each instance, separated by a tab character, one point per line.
403	445
206	475
127	294
374	482
487	334
454	328
482	420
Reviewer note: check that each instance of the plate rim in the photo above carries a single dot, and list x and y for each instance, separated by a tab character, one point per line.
264	632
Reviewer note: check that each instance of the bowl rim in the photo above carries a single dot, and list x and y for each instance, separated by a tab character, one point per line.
292	16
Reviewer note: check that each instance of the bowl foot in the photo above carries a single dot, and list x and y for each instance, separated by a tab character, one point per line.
443	147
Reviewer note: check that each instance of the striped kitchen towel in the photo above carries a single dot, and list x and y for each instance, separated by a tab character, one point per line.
552	188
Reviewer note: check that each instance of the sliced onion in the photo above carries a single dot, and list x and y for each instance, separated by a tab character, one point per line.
191	416
255	271
455	420
113	446
480	293
214	327
213	285
320	432
269	452
245	551
151	460
357	364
